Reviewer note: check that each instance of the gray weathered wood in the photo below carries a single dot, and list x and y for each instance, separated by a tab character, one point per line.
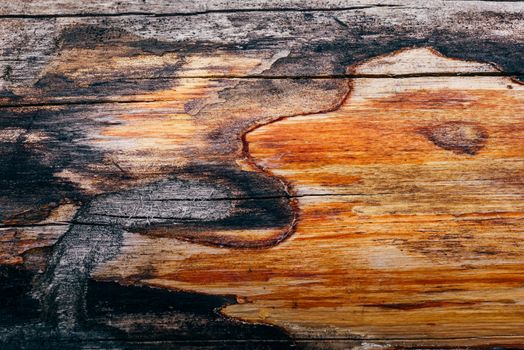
64	8
79	52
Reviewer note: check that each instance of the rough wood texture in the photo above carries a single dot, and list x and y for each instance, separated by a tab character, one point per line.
261	175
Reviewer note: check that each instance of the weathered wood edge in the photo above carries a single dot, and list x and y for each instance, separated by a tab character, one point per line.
70	8
313	44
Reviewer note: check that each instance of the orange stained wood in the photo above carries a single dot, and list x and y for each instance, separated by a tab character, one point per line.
411	208
159	132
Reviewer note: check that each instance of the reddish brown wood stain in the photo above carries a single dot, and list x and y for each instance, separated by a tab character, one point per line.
457	137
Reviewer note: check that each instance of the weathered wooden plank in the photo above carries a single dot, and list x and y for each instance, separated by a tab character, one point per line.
410	199
44	59
388	210
260	160
170	8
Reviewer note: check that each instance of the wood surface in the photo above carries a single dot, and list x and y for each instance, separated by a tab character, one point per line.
271	174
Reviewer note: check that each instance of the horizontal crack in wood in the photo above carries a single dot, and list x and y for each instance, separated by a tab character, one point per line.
198	13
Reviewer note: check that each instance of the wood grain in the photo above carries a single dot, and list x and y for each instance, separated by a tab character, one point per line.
90	57
410	199
261	175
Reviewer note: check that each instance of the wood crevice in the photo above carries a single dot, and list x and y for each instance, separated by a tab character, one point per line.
199	13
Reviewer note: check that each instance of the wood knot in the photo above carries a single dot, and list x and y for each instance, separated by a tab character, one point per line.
458	137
